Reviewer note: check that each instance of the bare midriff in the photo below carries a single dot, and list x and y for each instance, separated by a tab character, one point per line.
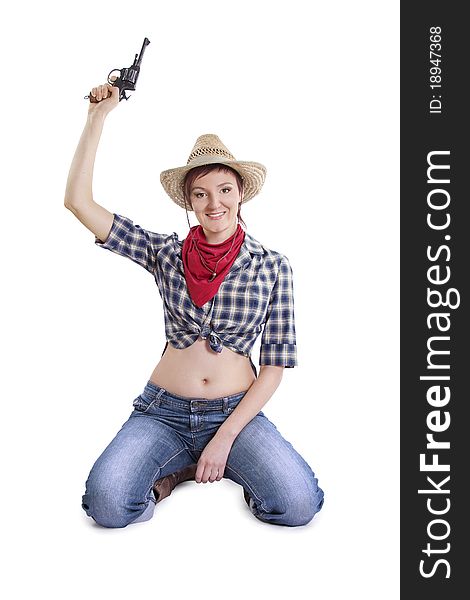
199	372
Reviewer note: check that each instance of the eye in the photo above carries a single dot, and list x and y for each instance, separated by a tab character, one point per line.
198	194
227	188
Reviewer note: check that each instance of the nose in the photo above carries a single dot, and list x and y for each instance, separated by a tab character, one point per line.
212	201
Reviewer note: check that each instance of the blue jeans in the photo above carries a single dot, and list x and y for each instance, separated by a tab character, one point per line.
166	432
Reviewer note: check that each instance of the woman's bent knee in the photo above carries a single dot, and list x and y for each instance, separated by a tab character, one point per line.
115	510
294	509
301	511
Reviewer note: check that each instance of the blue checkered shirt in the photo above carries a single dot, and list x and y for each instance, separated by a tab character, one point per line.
257	291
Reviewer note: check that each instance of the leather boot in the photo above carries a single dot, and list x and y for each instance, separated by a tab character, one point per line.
247	497
164	486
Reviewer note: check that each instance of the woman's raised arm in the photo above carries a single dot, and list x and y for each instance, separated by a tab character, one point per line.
78	192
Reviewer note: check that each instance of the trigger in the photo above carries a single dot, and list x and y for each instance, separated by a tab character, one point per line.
109	76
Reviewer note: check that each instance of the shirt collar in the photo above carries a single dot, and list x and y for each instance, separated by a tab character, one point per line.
252	245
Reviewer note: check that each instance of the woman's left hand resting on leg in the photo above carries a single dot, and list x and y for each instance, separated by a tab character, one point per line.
211	463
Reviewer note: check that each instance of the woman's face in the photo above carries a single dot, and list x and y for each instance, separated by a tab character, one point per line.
215	198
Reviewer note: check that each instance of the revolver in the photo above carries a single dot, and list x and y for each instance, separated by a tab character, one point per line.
127	79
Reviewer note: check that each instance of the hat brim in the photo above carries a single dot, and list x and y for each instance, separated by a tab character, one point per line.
252	173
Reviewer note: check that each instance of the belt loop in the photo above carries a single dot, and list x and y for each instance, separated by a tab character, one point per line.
225	406
158	397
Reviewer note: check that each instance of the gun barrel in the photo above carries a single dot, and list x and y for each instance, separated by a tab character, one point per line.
138	59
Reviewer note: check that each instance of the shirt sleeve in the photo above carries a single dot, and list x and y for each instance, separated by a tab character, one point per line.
278	340
134	242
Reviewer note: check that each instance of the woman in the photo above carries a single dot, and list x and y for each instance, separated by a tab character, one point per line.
199	416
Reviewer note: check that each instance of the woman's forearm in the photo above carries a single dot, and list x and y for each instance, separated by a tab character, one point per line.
79	183
252	402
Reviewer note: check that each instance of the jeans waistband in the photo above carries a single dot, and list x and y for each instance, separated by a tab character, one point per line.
192	403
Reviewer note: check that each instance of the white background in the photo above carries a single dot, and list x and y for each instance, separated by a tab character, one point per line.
310	89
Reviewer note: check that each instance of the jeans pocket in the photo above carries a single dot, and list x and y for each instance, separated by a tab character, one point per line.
142	403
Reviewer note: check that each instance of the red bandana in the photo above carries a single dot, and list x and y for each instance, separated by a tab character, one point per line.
197	275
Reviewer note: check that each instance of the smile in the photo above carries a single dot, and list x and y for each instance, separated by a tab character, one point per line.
215	216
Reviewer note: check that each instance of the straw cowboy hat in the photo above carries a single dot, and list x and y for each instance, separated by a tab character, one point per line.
208	150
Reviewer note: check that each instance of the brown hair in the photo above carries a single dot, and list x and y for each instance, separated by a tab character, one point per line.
196	172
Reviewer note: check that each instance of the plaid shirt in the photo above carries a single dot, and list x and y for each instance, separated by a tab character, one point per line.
257	291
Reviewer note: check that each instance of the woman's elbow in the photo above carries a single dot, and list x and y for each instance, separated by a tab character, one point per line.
272	370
